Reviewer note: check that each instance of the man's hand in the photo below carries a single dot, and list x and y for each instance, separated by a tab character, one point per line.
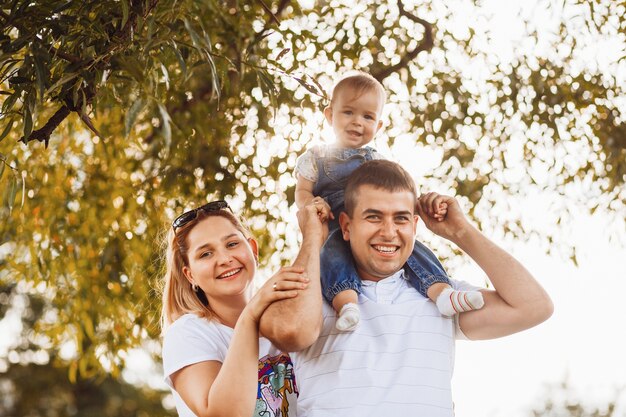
442	215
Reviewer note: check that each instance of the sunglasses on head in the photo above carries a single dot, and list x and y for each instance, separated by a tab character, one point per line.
190	215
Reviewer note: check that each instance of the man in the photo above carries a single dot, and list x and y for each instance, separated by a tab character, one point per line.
399	360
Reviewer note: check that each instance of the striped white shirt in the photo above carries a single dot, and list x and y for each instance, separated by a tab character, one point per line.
398	362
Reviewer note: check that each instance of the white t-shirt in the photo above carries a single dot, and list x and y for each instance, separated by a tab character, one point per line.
191	339
398	361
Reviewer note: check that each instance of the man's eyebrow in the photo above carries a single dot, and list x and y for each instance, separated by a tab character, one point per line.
206	245
395	213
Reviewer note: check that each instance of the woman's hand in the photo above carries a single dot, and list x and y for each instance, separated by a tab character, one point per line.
282	285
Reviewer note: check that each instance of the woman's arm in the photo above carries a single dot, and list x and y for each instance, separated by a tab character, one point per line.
211	388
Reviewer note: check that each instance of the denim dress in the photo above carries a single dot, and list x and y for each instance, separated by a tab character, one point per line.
338	272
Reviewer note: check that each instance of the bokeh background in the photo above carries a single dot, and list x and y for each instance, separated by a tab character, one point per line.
118	114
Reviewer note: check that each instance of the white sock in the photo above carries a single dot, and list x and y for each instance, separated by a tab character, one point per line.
349	317
451	302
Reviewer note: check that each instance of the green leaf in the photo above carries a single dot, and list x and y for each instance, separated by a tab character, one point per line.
3	165
40	75
125	12
28	122
282	53
12	192
62	81
165	127
131	116
306	85
166	76
6	130
181	60
10	101
197	42
23	188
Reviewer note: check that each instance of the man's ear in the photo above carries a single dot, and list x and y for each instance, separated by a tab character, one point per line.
328	113
344	223
416	220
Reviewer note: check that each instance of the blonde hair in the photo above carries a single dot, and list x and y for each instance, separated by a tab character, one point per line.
178	296
360	82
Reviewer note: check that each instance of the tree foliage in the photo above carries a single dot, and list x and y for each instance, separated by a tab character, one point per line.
36	381
563	401
117	114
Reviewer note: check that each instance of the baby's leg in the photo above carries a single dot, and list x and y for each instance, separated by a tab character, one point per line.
343	298
451	302
431	281
345	303
340	282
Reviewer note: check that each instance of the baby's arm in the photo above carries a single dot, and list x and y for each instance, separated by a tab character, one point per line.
304	192
304	196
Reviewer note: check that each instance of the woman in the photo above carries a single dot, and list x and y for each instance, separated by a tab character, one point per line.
213	358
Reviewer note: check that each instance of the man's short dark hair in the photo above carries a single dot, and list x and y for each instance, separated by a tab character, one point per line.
381	174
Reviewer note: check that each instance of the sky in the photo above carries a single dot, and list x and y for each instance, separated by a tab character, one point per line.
583	343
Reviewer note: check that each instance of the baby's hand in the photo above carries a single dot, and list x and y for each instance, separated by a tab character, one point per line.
440	211
323	209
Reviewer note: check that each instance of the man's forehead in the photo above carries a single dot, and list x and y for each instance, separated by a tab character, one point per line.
369	197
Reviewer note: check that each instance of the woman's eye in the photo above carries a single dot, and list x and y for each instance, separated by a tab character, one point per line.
205	254
232	244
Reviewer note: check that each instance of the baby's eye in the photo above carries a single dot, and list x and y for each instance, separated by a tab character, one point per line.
368	117
348	112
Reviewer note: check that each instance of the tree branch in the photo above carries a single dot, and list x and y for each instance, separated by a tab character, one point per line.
43	134
268	10
426	45
123	36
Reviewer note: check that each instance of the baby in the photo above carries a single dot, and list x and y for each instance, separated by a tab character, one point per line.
354	113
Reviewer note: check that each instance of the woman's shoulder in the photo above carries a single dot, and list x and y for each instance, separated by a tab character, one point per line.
191	324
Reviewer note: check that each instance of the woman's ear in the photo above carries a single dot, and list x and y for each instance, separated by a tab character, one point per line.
187	274
255	248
